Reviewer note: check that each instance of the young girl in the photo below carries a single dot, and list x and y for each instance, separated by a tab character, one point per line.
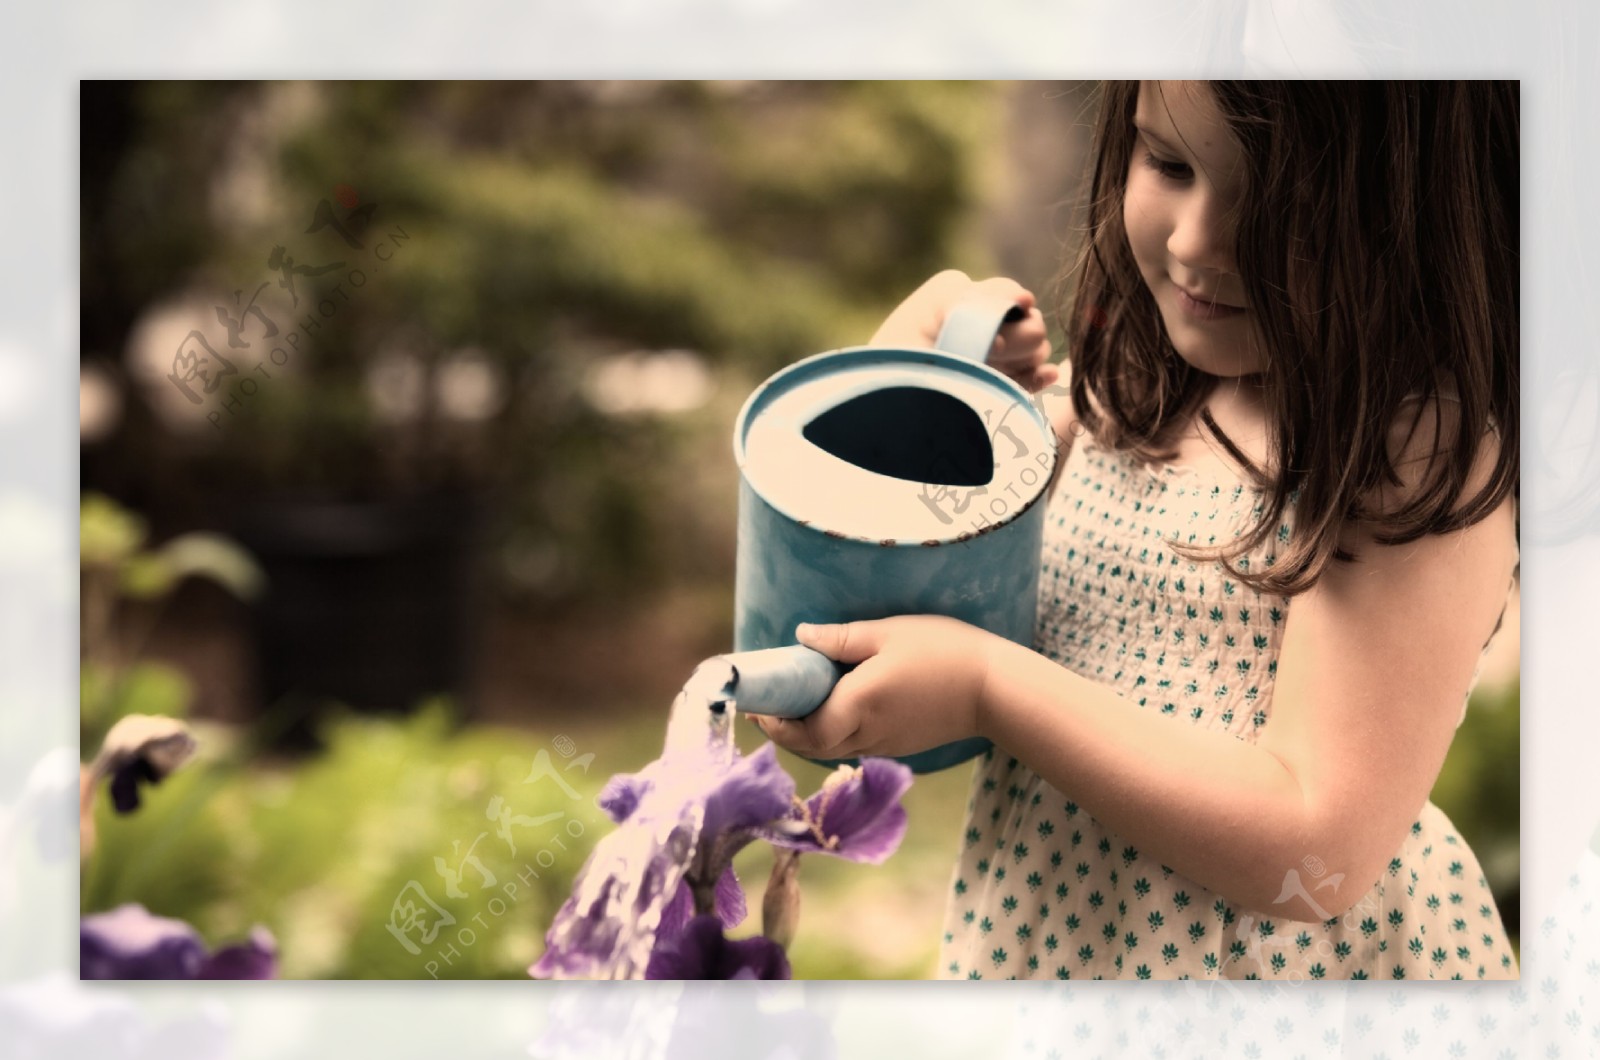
1282	534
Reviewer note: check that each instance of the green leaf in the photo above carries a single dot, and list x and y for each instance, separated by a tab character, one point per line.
146	688
147	576
216	557
107	532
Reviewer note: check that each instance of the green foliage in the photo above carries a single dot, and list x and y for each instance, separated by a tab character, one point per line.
111	541
116	567
144	688
319	852
177	855
1479	786
204	555
546	225
108	534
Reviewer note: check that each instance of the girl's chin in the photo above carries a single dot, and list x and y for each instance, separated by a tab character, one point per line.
1215	362
1210	351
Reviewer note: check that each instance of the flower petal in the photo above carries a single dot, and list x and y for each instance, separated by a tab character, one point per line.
621	795
714	802
606	928
754	792
139	749
125	783
702	951
858	813
131	943
255	959
731	906
676	915
579	943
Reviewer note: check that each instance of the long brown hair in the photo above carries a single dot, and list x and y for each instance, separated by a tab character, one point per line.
1378	246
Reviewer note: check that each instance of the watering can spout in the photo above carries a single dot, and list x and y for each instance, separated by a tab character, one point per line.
789	682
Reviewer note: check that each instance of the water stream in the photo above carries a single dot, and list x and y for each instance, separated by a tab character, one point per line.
608	928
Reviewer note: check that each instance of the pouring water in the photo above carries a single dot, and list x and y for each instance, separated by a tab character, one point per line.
634	872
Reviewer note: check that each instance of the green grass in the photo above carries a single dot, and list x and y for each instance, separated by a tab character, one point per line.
320	850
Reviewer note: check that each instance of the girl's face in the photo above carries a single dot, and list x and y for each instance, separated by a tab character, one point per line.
1180	209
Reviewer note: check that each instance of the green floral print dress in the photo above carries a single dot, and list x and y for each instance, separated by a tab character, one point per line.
1043	890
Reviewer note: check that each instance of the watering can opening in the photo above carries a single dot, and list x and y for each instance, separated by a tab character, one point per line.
880	481
908	432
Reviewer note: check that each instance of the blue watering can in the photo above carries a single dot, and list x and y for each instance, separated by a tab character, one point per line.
882	481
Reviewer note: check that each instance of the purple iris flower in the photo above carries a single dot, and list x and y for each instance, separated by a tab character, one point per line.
594	933
644	901
619	799
855	815
702	951
689	869
131	943
730	906
753	791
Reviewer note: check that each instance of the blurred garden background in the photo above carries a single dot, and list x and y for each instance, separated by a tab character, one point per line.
405	424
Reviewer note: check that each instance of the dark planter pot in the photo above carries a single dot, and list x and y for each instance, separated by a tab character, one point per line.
370	604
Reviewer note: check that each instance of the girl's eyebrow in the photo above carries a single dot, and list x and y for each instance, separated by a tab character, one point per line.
1158	140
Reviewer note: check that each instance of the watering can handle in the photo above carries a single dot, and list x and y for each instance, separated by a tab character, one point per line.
970	326
789	682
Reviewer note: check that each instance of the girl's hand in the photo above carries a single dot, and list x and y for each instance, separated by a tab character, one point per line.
918	685
1021	350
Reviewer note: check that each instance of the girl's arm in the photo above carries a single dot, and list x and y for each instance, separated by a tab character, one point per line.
1375	663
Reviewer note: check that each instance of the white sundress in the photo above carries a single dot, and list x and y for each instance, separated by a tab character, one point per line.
1043	890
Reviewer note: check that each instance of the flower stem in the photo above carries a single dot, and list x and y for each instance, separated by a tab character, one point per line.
705	896
780	906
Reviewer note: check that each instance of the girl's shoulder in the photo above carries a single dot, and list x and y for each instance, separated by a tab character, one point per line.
1423	443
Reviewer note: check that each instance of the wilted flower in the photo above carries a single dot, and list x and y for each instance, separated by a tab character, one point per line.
139	749
855	815
131	943
702	951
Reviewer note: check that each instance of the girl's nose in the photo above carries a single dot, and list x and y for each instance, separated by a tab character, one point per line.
1201	237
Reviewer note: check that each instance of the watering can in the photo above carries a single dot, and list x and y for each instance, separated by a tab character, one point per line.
885	481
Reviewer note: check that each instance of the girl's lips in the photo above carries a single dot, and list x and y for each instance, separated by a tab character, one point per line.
1204	310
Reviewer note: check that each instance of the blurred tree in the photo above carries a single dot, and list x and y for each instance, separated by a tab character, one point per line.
535	230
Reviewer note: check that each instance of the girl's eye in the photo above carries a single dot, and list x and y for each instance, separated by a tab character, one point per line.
1169	170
